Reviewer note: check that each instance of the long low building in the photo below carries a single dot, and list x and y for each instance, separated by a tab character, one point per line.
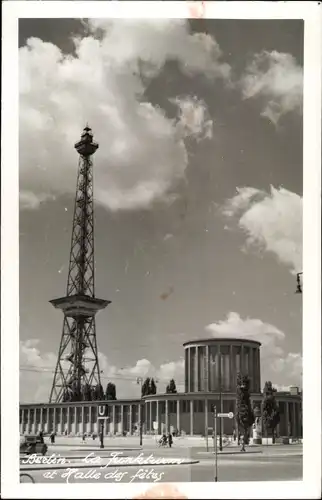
211	368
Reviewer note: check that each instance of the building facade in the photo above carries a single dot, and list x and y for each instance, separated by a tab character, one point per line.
211	368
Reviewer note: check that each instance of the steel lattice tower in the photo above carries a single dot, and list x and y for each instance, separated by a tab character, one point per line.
78	347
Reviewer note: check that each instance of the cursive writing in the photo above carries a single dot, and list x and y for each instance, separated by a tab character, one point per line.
36	459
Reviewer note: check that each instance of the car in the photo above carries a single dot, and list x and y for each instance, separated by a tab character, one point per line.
33	444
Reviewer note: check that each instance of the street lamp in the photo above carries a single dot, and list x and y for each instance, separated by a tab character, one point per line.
220	403
299	281
220	397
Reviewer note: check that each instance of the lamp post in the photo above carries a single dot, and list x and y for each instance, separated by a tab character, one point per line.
220	403
220	396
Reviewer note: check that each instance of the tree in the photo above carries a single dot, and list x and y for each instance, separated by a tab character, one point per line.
244	411
99	392
153	387
110	393
145	387
148	387
171	387
86	392
270	411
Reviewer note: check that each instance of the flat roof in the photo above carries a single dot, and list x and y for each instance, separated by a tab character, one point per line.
216	340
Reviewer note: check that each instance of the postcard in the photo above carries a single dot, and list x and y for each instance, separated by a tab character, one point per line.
161	212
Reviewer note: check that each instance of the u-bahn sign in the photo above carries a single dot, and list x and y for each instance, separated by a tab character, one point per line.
103	411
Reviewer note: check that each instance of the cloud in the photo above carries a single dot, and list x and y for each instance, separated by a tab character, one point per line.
142	154
276	365
277	81
31	201
37	371
194	120
255	329
271	221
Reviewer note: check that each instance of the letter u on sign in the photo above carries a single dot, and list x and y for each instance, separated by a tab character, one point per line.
102	410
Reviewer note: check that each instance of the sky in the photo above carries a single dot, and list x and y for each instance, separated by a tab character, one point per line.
197	186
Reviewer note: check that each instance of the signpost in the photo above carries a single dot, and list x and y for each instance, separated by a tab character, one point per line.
215	416
102	416
227	415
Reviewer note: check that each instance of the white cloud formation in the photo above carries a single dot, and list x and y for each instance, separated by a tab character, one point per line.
32	201
142	155
194	120
276	365
37	371
277	80
271	221
254	329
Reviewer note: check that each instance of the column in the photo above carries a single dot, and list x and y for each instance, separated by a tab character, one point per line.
114	422
189	372
287	419
90	419
21	425
68	419
83	420
150	417
191	417
295	433
61	420
166	416
34	424
232	380
146	417
178	415
28	421
131	420
242	360
41	419
197	382
140	417
258	370
75	419
122	419
207	365
219	370
157	416
54	418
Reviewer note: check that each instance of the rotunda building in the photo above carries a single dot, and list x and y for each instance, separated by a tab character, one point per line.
212	364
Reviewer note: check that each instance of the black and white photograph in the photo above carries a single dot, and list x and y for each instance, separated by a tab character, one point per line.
161	251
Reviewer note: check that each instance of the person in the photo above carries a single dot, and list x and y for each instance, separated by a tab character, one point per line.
242	440
41	437
52	437
234	434
170	439
66	432
84	437
163	440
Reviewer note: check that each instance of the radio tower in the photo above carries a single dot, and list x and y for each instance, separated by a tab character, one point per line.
77	365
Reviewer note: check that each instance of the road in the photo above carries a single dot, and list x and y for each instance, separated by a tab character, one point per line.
244	467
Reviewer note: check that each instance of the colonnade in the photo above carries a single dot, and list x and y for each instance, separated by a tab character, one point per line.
190	416
73	418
